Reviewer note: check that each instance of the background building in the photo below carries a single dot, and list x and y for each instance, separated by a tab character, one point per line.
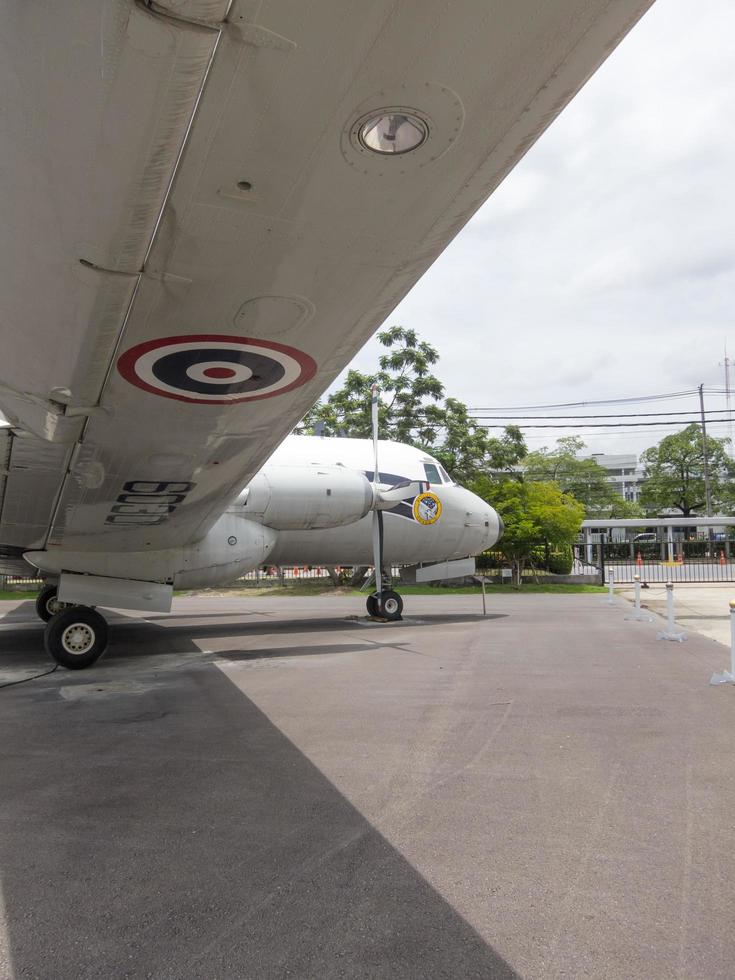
624	473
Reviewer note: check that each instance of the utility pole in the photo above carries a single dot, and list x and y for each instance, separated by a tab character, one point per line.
727	364
707	487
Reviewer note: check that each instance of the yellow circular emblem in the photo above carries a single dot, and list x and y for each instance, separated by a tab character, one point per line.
427	508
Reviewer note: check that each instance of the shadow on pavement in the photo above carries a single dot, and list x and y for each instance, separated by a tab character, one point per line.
177	833
133	638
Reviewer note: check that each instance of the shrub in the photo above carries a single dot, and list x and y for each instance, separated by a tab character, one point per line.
560	562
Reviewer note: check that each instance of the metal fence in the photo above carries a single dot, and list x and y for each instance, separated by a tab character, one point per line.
700	559
267	575
14	583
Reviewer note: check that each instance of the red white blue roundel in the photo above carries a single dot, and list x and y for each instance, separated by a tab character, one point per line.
215	369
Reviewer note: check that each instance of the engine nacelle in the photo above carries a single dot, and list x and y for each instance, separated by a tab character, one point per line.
305	498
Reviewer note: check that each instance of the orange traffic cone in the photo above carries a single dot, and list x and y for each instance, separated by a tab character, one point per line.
722	558
639	560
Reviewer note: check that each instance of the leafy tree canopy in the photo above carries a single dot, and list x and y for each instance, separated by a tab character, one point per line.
674	473
533	513
413	410
584	479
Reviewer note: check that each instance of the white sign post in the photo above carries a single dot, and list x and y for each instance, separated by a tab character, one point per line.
670	633
728	676
639	614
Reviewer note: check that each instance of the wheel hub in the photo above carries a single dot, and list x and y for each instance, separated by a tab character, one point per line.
78	638
53	605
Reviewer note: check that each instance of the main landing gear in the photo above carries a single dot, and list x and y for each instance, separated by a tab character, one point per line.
385	605
75	636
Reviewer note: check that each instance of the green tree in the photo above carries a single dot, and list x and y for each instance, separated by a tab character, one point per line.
534	514
466	450
584	479
621	509
409	395
674	473
412	410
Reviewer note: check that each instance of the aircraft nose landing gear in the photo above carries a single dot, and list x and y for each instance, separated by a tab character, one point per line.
47	605
385	605
76	637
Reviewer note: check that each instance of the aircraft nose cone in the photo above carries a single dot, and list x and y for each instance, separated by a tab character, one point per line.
482	525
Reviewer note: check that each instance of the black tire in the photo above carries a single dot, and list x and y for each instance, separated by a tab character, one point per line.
372	605
75	638
390	605
47	605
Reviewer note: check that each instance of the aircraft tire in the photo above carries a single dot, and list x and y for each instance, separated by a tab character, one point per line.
372	605
390	605
47	605
75	638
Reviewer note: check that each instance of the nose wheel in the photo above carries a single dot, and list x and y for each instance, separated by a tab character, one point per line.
47	603
76	637
385	605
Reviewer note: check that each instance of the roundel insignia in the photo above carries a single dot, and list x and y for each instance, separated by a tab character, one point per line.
214	369
427	508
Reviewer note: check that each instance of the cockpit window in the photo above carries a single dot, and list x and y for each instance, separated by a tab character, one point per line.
432	473
445	476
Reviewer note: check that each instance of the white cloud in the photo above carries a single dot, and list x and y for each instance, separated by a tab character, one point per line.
604	266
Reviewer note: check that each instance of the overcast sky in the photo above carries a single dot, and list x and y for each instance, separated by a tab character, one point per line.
604	266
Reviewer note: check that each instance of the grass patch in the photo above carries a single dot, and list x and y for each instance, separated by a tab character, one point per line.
13	594
323	589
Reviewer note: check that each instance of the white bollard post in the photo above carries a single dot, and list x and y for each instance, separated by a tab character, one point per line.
639	614
728	676
611	585
670	606
670	633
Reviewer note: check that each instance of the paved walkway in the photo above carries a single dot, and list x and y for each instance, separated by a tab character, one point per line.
704	608
259	788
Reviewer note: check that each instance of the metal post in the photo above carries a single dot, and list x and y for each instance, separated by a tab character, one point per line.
670	632
482	580
707	487
639	614
728	676
670	543
611	583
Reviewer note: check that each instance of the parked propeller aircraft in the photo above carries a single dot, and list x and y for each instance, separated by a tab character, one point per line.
208	207
316	501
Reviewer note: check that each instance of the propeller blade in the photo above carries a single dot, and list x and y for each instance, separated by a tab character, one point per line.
378	549
374	415
377	516
385	499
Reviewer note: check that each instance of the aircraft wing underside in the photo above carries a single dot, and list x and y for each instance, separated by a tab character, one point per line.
196	241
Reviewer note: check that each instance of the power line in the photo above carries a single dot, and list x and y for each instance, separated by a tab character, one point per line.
617	415
606	401
601	425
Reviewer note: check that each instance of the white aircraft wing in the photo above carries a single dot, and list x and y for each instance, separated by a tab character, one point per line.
197	235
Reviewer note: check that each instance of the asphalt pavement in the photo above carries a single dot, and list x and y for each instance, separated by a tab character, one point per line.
267	788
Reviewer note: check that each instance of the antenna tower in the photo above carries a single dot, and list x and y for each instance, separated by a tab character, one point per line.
727	364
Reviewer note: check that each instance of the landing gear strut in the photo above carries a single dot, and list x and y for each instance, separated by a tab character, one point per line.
47	605
76	637
385	605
